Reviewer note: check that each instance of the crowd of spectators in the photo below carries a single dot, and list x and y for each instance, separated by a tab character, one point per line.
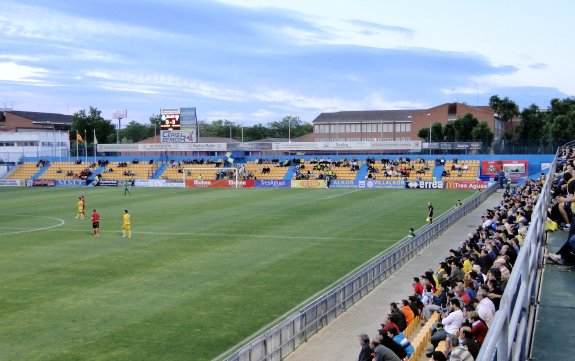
562	208
397	168
467	286
42	163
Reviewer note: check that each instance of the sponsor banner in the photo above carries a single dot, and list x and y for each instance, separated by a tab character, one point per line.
273	183
308	183
161	147
170	111
365	145
157	183
107	183
188	118
344	145
424	185
452	145
10	183
196	183
397	145
173	185
43	183
178	136
466	185
70	182
381	183
294	146
514	169
343	183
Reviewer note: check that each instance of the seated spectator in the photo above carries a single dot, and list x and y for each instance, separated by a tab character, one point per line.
417	287
462	295
388	342
450	323
485	307
478	326
365	353
382	353
397	317
456	272
407	311
387	324
456	352
427	296
438	356
466	339
400	339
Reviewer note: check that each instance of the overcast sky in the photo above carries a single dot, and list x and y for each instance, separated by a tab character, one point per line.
256	61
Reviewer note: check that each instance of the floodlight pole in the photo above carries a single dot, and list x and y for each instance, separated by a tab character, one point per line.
119	115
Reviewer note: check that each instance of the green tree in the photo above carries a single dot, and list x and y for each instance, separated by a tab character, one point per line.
436	132
449	131
135	132
256	132
560	130
423	133
505	109
218	128
205	129
155	122
86	122
463	127
531	126
289	127
560	122
482	133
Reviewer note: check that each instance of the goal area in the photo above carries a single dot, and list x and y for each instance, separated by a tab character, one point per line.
204	177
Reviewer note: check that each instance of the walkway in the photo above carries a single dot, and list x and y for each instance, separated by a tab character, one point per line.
554	330
339	341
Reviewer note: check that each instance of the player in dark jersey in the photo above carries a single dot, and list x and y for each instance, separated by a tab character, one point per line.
96	223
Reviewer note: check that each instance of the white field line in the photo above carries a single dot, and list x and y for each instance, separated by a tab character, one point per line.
233	235
27	230
342	194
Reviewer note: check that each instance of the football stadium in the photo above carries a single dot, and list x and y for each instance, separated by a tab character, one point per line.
150	252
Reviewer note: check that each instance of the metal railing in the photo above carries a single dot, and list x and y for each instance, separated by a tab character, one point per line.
509	337
283	336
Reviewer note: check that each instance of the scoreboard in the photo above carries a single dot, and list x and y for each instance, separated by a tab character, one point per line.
170	119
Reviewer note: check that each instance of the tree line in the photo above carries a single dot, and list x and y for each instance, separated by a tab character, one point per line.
538	130
91	122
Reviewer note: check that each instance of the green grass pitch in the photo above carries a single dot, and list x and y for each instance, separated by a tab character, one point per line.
204	269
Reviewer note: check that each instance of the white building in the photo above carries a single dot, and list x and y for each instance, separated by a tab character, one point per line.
52	144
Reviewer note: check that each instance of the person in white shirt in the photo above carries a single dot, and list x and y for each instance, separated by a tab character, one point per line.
485	308
451	323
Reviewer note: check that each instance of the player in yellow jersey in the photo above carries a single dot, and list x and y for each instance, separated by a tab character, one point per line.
126	226
80	208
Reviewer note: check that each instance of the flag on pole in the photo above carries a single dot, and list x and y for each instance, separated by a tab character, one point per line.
95	139
79	137
86	146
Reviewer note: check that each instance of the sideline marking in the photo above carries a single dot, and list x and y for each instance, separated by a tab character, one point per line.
23	230
240	235
339	195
